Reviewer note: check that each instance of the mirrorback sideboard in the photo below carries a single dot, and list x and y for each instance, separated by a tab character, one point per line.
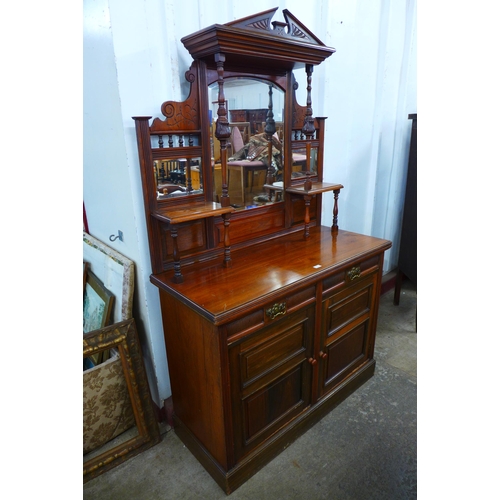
269	316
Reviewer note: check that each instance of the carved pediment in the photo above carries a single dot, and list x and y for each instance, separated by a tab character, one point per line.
292	28
259	42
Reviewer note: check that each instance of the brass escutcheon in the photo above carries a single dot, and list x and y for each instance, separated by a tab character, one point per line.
276	310
354	273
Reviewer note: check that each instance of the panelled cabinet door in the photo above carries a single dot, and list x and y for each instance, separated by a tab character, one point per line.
270	379
346	338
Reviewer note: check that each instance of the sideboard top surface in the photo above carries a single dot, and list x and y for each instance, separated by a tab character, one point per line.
263	271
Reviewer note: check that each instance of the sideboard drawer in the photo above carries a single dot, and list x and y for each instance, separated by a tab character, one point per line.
270	313
346	306
350	275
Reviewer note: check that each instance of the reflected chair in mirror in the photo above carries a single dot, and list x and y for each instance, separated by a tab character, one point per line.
251	161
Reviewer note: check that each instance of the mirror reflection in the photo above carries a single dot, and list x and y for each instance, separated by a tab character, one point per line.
178	177
249	158
300	163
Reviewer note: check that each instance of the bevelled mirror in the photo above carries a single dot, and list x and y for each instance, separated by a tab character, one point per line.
178	176
248	104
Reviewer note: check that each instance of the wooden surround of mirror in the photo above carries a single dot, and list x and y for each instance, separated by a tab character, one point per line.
269	316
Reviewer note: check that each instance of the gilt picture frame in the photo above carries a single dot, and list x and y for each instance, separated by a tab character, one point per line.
123	337
115	270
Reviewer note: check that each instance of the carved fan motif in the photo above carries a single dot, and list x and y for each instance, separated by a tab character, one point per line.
296	31
261	24
292	28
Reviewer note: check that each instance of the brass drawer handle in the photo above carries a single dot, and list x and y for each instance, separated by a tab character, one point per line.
276	310
354	273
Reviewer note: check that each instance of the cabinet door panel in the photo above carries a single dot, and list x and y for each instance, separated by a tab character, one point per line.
345	354
346	330
273	403
270	378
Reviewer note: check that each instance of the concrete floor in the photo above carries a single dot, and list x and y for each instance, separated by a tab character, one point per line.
366	448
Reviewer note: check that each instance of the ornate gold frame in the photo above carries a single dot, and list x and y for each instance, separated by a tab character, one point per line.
123	336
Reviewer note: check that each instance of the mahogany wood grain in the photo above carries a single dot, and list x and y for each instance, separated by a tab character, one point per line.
347	331
292	317
271	268
270	379
195	368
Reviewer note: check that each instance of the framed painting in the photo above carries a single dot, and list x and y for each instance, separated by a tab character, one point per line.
97	304
116	272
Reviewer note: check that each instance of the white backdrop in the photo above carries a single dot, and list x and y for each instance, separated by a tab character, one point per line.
134	61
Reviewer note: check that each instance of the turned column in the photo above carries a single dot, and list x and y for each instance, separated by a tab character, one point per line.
335	225
222	129
308	129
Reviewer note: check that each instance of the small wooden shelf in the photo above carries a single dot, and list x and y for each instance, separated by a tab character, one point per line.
309	192
178	214
316	188
185	213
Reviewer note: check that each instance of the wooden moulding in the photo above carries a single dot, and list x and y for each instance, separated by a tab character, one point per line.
123	337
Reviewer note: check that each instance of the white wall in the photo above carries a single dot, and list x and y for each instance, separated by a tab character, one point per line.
134	61
111	188
367	93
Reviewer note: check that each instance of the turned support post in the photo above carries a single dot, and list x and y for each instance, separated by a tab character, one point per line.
307	217
222	129
309	129
335	226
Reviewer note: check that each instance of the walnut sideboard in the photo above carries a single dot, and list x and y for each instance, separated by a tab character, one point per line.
260	351
269	317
